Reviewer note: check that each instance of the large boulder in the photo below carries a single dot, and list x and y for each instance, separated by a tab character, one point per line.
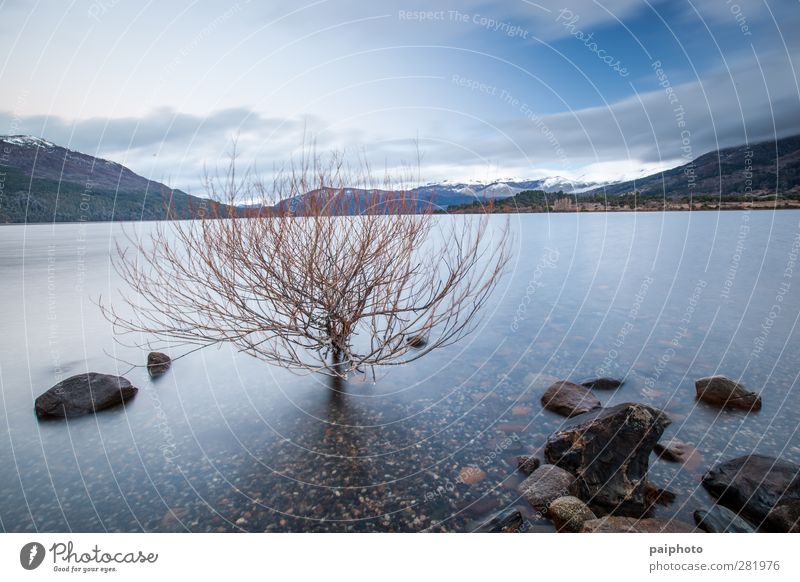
569	513
84	394
613	524
545	485
608	452
720	519
785	517
756	485
569	399
722	391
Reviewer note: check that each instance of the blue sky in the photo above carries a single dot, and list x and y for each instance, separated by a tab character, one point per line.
489	89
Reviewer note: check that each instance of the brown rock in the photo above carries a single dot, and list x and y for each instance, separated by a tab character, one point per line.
569	513
526	464
632	525
727	393
545	485
157	363
569	399
674	451
471	475
602	383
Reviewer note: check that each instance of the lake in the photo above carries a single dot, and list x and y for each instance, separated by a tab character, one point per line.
224	442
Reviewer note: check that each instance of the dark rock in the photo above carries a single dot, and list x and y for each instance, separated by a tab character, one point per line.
602	383
608	452
508	521
526	464
569	399
753	486
569	513
615	524
674	451
545	485
157	364
723	391
654	495
720	519
83	394
417	341
784	517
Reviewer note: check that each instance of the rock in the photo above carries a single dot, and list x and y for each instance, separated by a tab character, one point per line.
608	452
602	383
545	485
720	519
654	495
157	363
753	485
84	394
727	393
569	513
417	341
569	399
784	517
526	464
508	521
613	524
674	451
471	475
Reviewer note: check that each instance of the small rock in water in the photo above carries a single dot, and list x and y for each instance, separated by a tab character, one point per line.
84	394
157	364
727	393
632	525
526	464
569	399
654	495
471	475
417	341
545	485
602	383
569	513
720	519
508	521
674	451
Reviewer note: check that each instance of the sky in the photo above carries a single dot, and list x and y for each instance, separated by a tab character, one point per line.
478	90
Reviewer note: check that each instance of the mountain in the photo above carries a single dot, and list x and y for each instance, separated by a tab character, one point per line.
770	166
43	182
446	194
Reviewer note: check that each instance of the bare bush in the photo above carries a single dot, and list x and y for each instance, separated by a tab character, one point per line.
337	276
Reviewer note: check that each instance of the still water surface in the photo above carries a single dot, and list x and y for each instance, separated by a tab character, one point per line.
224	442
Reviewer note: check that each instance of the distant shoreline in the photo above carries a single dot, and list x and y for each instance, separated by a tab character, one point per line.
789	205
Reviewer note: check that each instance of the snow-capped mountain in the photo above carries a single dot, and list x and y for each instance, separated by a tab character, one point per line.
458	193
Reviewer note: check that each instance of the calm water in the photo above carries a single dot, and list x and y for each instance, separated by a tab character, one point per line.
224	442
